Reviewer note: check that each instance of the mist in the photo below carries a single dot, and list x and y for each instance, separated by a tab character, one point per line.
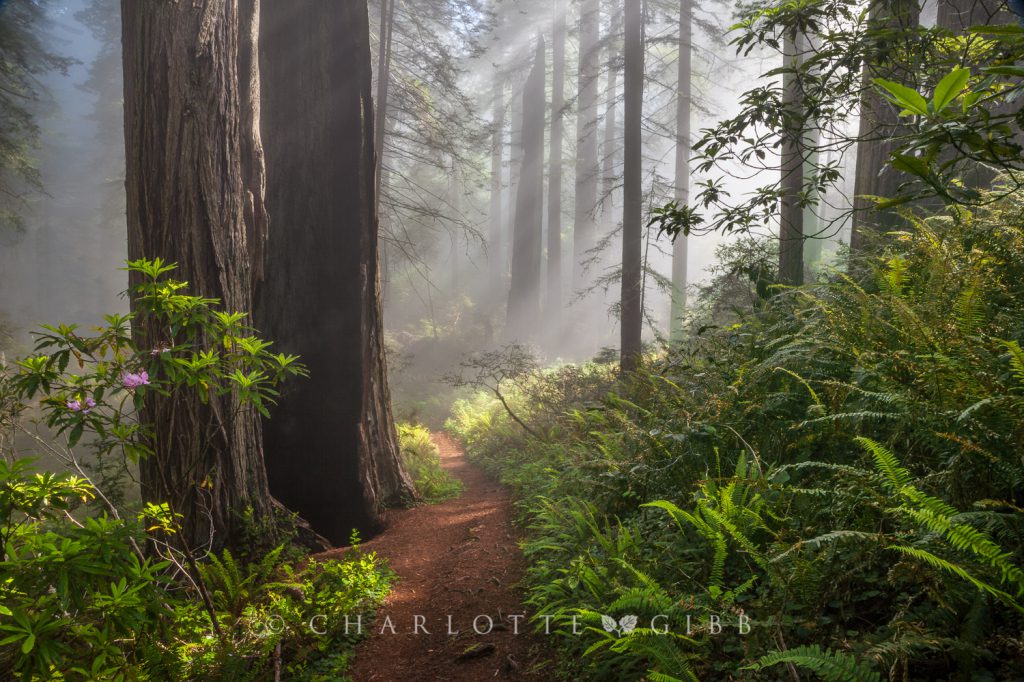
453	98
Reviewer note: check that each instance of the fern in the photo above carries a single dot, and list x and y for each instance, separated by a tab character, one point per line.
969	308
831	666
1016	359
959	571
887	463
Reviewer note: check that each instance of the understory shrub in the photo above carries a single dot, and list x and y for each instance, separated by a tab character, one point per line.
837	467
422	460
93	585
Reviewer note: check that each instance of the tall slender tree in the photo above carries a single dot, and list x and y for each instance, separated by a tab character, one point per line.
331	448
387	25
586	140
524	313
631	320
553	299
495	245
194	198
684	101
611	145
791	217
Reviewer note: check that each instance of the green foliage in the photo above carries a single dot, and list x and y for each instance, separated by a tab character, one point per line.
78	600
423	462
829	665
92	588
751	470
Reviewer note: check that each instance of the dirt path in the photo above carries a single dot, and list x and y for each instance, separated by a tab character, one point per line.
459	559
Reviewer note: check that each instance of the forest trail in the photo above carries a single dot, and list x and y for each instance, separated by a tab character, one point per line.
460	559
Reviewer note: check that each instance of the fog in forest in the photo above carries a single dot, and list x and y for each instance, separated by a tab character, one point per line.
454	106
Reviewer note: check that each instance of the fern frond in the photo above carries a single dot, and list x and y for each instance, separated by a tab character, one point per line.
1016	359
831	666
959	571
886	463
969	308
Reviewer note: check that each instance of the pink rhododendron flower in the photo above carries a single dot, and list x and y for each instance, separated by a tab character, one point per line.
132	380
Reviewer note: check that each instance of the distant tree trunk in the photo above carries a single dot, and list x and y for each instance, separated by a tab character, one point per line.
495	257
553	299
879	124
791	218
331	447
524	315
380	122
610	145
195	197
814	239
387	22
515	163
813	226
632	220
960	15
586	141
684	95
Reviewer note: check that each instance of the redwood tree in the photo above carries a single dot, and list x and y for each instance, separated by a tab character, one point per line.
524	313
791	216
195	197
879	124
631	319
684	101
331	447
586	139
495	257
553	299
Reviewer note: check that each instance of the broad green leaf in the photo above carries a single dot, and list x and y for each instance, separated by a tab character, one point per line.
910	164
949	88
1005	70
908	98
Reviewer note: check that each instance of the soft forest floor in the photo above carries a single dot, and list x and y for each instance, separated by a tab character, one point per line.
459	558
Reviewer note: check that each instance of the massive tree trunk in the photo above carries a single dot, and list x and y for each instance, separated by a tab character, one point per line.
553	299
195	197
631	321
331	447
684	98
586	141
791	217
495	248
524	313
879	124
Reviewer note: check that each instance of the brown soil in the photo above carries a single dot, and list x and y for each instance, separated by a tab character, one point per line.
460	559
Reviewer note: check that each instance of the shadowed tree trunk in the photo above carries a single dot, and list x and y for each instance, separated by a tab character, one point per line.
632	220
553	299
495	255
684	98
586	141
879	124
195	197
524	292
791	217
331	446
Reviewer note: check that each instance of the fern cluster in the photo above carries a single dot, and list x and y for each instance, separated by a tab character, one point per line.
841	463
